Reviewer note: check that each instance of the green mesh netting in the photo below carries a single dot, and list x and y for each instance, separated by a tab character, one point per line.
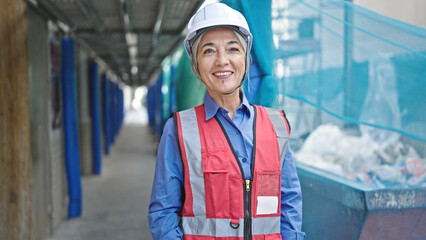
357	65
189	92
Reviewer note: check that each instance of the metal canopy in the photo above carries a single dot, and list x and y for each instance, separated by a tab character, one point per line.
131	36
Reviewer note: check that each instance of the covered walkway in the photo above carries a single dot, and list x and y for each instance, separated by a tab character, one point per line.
115	203
67	66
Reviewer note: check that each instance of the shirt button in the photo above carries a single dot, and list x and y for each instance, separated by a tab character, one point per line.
237	132
244	159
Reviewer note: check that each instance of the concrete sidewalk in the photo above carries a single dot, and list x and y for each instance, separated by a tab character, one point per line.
115	203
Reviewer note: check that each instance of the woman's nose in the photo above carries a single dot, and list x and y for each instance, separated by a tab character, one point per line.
221	58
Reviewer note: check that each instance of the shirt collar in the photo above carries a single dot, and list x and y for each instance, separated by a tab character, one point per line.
212	108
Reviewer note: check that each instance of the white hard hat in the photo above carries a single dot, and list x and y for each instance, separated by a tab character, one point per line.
216	15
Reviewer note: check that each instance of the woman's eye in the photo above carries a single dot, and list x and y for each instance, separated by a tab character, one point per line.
234	49
208	51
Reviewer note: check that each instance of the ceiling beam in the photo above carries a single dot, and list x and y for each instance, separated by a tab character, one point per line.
124	10
176	38
195	7
158	21
97	22
134	30
156	34
58	15
88	11
67	26
131	38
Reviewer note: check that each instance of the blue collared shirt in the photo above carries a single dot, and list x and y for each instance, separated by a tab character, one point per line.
168	180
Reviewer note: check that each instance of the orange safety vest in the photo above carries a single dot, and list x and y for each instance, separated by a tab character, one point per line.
219	203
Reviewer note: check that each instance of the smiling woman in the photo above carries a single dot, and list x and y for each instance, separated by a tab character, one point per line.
224	168
221	64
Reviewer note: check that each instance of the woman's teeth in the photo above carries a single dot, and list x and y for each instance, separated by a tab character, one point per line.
222	73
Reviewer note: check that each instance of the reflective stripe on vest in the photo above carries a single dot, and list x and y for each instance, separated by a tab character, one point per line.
204	142
219	227
192	153
282	130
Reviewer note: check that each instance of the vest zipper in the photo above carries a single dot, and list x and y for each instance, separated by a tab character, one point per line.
247	211
246	183
247	194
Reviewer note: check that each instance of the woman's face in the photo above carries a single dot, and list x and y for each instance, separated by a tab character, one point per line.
221	61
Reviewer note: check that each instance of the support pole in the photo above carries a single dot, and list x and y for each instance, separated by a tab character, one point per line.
349	87
106	113
15	149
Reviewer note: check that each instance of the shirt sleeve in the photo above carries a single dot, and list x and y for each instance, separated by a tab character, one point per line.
291	201
167	188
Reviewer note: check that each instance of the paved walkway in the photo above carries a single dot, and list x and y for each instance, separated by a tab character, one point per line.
115	203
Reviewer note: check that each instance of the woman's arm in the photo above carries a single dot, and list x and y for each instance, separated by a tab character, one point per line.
166	200
291	201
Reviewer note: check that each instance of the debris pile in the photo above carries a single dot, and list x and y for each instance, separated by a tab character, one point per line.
376	157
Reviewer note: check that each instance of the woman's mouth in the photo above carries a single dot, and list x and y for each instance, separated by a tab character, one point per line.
222	74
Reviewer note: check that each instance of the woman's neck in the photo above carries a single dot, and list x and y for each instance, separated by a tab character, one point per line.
229	102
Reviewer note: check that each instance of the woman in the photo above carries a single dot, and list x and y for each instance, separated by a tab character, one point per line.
224	168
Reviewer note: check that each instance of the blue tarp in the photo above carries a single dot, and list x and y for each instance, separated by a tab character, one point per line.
72	151
113	115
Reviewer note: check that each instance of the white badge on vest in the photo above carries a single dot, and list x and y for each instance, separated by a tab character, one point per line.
267	205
